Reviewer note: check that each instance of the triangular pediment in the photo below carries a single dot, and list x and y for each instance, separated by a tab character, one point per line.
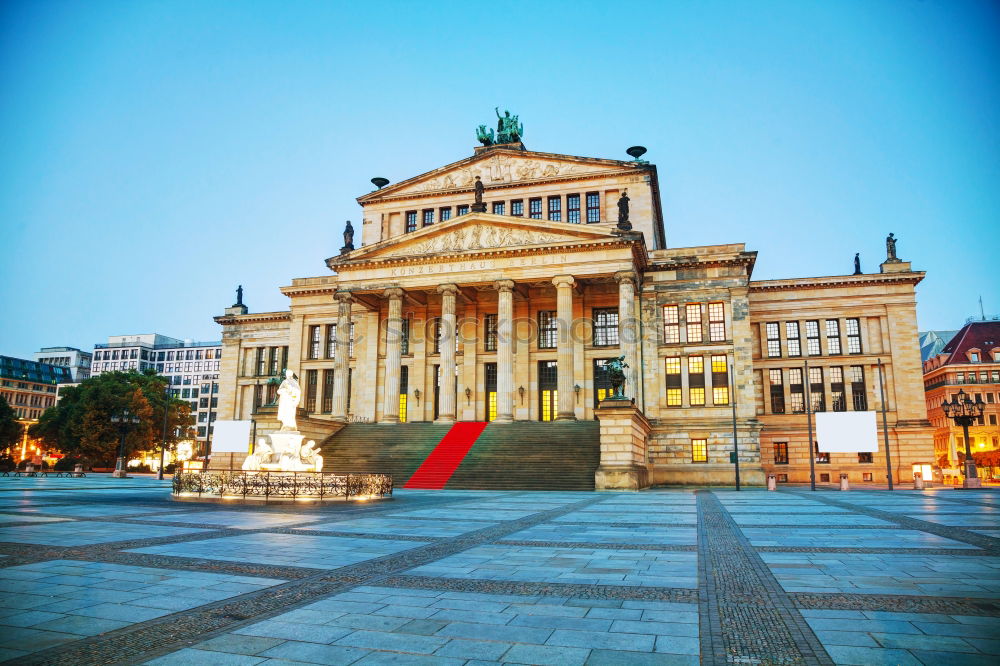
477	232
499	167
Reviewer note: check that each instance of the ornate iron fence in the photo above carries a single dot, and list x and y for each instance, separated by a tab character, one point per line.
290	485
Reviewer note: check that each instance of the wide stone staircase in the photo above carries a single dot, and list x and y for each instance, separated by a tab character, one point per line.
509	456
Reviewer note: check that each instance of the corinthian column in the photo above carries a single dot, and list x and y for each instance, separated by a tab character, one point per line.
342	361
564	320
505	351
393	355
446	393
628	332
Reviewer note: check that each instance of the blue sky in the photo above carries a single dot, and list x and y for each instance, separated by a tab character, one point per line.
157	154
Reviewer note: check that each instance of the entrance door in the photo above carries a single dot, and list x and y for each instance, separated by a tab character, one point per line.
404	381
490	373
602	385
548	378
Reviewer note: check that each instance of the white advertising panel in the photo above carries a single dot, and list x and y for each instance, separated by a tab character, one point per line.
846	432
231	437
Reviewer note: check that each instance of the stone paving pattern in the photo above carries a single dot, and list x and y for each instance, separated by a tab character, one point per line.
101	571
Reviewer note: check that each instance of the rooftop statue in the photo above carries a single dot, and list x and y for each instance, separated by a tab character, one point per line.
623	221
484	136
239	295
890	249
508	128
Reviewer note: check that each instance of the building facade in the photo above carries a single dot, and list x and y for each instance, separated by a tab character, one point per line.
76	360
30	388
969	362
191	368
505	305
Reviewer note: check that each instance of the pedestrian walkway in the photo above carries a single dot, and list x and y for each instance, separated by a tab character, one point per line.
113	571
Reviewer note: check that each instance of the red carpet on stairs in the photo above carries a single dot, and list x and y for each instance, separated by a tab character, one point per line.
435	471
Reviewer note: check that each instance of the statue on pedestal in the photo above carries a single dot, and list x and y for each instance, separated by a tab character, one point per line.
857	263
479	206
615	369
239	296
289	396
890	249
623	222
348	238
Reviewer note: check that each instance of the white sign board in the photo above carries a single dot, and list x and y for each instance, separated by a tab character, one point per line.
231	437
846	432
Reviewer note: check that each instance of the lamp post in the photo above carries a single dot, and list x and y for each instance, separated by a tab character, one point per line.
963	412
163	443
124	419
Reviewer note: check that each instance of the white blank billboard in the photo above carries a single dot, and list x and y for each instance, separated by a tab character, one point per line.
846	432
231	437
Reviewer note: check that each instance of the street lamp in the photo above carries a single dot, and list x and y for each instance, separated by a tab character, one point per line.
124	419
964	411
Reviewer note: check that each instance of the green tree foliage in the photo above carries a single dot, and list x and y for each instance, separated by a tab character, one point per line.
10	427
81	423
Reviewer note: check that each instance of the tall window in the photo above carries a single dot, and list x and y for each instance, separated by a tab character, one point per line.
548	395
327	391
792	338
817	393
273	360
517	207
331	340
716	322
490	376
261	362
772	332
404	388
671	324
696	380
428	217
699	450
314	342
853	336
411	221
547	331
781	453
404	342
444	214
837	389
673	374
490	325
462	210
720	380
832	336
555	209
812	338
602	385
858	397
499	208
593	207
605	327
573	208
777	385
311	390
692	311
535	208
258	396
796	391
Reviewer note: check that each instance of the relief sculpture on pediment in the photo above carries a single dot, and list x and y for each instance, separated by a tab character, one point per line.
477	237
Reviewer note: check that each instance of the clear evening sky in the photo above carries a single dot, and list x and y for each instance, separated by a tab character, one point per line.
157	154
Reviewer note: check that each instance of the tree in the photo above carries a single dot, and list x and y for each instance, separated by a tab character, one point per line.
81	423
10	428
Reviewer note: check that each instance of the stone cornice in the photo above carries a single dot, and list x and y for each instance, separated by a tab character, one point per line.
836	281
256	318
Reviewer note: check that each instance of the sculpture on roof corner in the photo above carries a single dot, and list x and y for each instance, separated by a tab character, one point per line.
509	130
239	296
890	249
623	222
348	239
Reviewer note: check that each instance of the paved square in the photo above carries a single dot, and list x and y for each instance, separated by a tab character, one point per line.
477	577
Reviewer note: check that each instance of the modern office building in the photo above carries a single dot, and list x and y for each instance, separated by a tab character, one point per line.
192	369
76	360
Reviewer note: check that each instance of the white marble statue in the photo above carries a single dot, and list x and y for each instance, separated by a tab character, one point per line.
310	456
289	396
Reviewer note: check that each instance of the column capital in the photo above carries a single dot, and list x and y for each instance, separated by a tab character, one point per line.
343	297
447	288
563	281
394	292
504	285
625	276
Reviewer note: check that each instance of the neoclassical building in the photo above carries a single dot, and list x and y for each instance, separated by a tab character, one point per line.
505	305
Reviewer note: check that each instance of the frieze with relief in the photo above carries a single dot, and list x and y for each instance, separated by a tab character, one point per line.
478	237
501	169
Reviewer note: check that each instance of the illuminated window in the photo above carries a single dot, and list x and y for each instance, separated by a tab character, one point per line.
671	324
692	311
547	393
672	366
720	380
696	380
404	387
792	338
490	371
699	450
832	336
772	332
781	453
716	322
